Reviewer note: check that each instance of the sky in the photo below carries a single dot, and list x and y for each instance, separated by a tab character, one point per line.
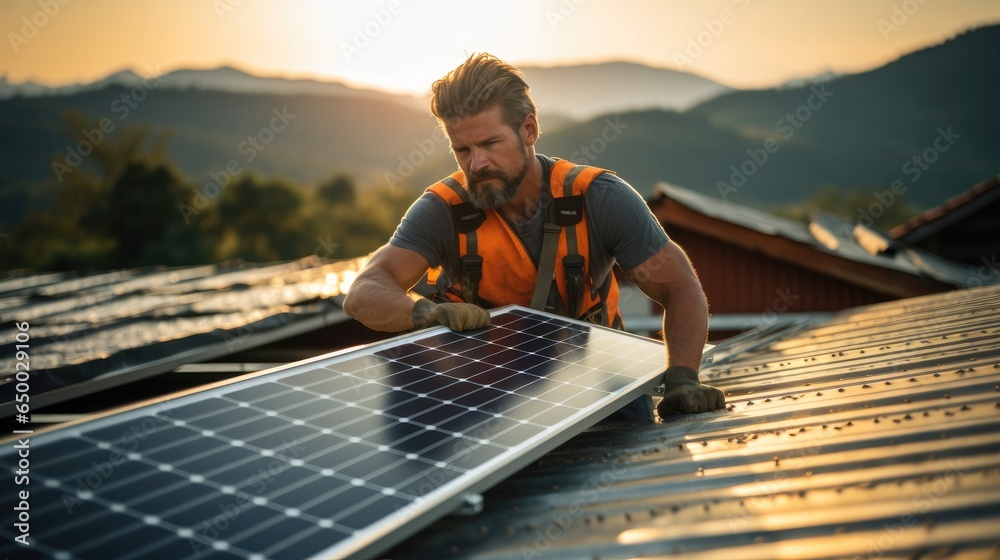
403	46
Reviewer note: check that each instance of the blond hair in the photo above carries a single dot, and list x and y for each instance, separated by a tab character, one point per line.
478	84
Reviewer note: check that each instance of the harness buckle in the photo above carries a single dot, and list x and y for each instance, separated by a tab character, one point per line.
573	267
472	273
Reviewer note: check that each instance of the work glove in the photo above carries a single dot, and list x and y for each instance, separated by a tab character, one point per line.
455	316
684	393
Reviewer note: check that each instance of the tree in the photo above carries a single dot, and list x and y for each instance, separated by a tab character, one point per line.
337	190
259	220
850	205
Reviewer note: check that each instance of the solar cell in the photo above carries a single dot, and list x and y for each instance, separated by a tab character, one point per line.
339	456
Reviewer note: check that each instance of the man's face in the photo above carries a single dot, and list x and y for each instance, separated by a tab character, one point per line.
493	156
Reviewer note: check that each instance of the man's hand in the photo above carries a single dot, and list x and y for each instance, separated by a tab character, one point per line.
684	393
455	316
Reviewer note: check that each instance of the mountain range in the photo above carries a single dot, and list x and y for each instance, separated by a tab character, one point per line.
761	147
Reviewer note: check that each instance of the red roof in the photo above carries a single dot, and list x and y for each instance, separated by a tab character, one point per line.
951	211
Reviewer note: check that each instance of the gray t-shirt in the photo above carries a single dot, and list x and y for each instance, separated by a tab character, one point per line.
620	226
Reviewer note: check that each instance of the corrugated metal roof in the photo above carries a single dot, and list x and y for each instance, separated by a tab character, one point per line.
136	323
874	434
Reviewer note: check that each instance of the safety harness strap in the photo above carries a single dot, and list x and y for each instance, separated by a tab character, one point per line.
546	266
468	218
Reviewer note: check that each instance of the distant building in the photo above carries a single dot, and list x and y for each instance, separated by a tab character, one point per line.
758	269
965	228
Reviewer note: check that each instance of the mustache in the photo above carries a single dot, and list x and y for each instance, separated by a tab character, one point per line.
483	175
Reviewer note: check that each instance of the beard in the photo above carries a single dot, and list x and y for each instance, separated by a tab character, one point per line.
485	198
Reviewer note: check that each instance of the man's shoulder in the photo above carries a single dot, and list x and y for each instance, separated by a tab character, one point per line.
428	200
608	183
608	180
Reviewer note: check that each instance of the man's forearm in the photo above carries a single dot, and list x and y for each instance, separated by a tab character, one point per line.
685	327
376	301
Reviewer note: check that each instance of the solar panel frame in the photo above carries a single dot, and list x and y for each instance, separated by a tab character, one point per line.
442	499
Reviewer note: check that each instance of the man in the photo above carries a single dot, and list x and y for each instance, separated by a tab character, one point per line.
485	233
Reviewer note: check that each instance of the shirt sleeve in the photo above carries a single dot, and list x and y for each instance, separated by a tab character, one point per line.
426	228
621	222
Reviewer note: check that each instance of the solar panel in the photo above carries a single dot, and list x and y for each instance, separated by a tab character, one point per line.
340	456
95	332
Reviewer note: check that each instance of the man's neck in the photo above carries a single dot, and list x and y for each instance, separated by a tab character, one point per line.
525	203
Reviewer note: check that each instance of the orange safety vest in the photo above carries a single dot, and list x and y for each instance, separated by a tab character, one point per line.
496	268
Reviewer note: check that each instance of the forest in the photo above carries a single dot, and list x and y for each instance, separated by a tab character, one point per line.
127	205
